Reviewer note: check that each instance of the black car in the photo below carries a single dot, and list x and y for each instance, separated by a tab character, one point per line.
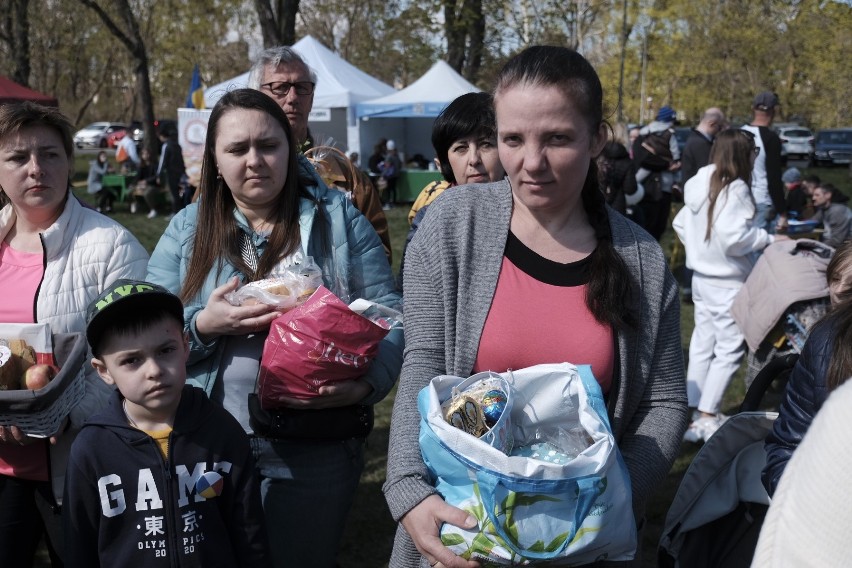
832	146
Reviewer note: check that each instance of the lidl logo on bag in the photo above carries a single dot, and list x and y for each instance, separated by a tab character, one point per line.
330	352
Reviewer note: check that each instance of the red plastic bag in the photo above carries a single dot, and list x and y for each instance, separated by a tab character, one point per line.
319	342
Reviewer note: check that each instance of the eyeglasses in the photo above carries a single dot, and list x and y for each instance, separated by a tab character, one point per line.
281	88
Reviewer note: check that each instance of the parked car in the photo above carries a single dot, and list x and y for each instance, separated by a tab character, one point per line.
797	142
95	135
832	146
138	131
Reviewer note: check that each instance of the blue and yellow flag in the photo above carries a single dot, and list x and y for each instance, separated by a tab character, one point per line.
195	98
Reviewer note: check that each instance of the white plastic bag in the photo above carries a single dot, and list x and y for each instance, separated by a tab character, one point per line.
531	510
285	288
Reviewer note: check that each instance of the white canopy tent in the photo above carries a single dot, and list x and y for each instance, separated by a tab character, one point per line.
406	116
340	85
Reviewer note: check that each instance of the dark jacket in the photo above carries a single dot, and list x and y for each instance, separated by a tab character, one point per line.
806	392
774	168
836	218
127	506
618	175
696	154
147	172
173	165
799	204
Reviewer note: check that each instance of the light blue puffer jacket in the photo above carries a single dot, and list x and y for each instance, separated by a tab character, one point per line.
357	258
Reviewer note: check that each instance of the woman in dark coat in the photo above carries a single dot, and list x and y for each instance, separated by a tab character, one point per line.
825	363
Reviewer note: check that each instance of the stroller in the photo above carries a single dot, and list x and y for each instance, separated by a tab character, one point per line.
782	298
715	518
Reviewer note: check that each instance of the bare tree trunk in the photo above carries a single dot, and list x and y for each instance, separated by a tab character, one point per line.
454	30
15	33
132	40
476	33
91	97
464	26
277	21
625	33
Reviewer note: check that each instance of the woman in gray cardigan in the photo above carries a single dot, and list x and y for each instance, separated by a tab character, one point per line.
550	129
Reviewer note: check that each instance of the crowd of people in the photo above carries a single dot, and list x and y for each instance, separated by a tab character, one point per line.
538	224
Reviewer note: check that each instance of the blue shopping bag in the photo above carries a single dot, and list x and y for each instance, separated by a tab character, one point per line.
531	510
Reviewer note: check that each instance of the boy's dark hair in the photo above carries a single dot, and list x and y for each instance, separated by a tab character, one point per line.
128	307
812	178
134	320
471	114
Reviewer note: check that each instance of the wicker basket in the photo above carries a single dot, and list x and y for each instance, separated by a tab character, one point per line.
40	413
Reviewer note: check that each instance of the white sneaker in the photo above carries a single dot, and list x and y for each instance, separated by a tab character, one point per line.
133	207
152	213
703	428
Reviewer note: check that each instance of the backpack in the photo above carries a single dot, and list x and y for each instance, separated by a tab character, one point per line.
652	151
427	195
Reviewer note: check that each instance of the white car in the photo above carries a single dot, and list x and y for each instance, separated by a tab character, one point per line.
95	134
797	141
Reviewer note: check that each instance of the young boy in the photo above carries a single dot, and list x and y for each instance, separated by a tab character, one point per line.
162	477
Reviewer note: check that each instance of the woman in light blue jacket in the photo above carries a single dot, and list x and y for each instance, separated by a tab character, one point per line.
262	205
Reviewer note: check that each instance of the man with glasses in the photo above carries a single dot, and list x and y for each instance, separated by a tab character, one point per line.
766	184
282	74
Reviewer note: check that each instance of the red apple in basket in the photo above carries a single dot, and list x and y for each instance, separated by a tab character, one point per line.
37	376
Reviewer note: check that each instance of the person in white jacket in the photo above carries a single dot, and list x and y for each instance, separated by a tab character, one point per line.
56	256
721	239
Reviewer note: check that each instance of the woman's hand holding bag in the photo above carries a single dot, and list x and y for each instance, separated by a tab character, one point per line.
423	524
343	393
219	317
567	500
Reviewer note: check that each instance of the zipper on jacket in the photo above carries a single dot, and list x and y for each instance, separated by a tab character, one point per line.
41	281
171	511
55	506
168	508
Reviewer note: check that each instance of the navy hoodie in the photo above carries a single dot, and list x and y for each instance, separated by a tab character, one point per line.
127	506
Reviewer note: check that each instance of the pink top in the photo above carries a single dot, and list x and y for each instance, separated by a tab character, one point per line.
539	315
20	275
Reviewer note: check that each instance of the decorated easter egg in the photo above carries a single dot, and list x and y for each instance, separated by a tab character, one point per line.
493	405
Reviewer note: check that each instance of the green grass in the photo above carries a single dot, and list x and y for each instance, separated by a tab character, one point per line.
369	535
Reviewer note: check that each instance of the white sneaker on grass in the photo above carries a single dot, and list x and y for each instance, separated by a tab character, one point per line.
152	213
703	428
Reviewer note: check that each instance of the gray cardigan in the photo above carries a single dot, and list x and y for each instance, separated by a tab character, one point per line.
454	261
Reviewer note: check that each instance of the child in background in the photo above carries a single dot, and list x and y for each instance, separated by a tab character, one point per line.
162	477
98	168
146	185
721	239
